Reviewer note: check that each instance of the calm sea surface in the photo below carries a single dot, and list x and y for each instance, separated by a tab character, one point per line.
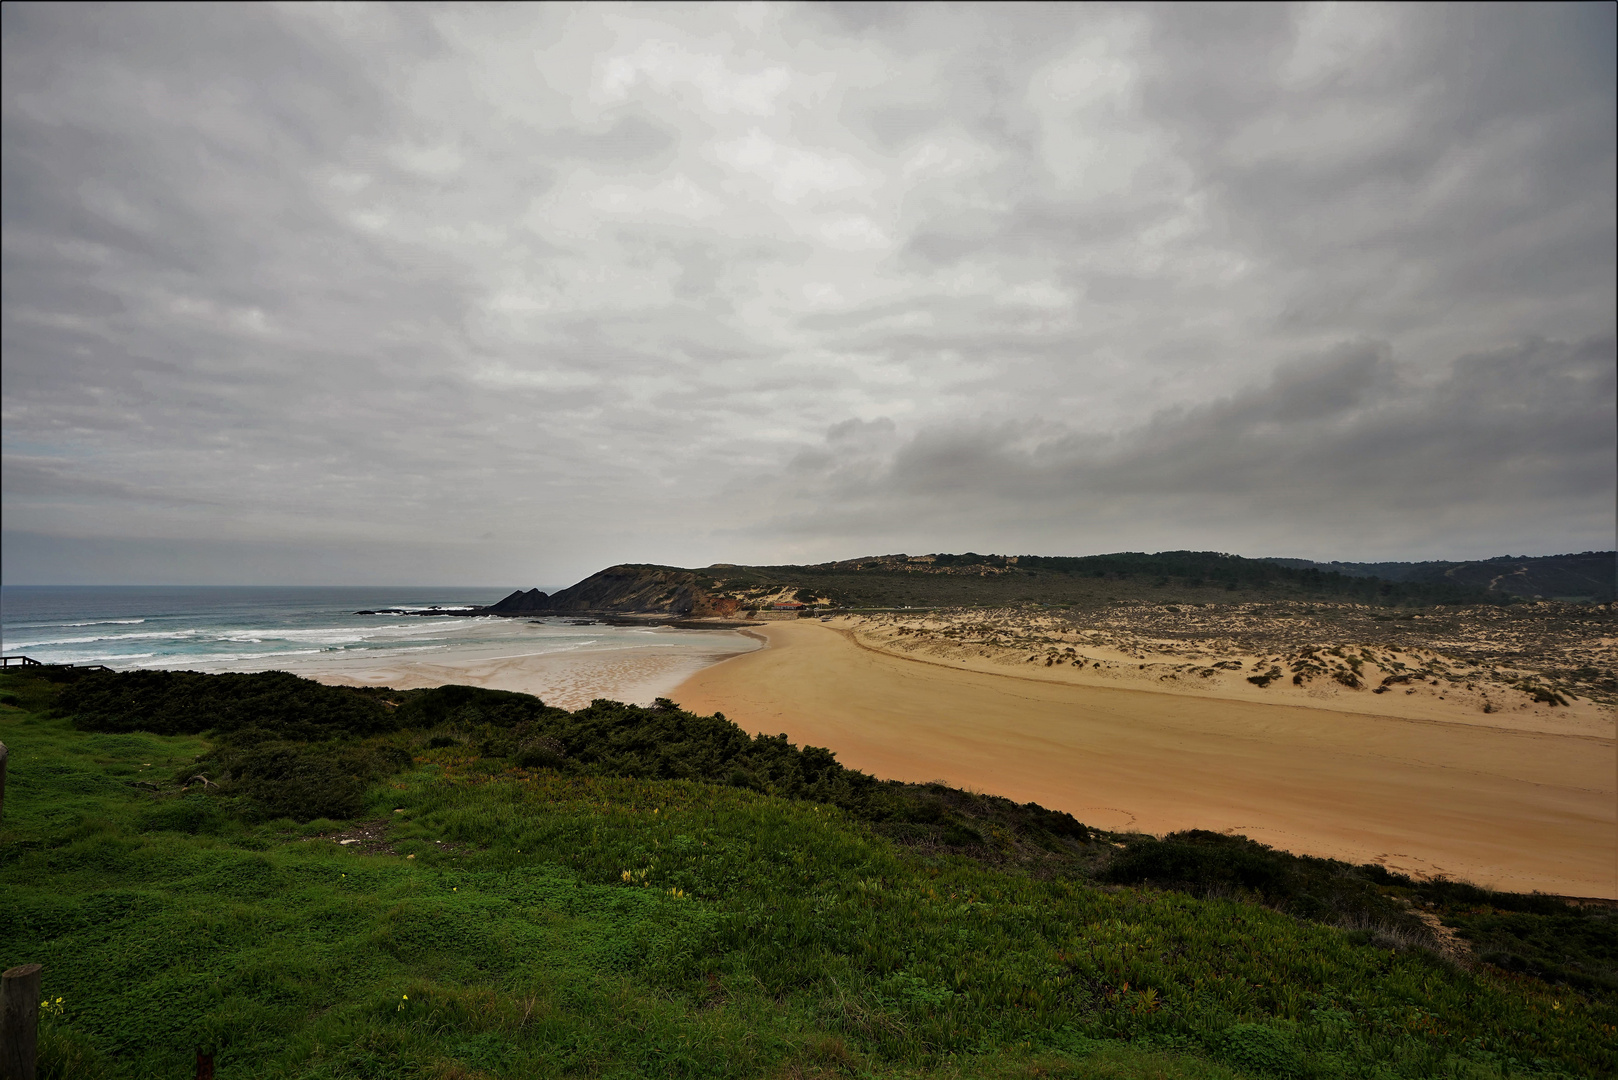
211	628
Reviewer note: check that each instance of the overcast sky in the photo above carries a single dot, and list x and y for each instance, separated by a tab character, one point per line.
352	294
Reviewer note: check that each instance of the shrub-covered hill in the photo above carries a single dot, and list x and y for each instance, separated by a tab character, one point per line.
625	891
944	580
1588	575
997	580
972	579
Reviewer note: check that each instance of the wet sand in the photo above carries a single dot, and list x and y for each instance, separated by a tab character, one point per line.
569	679
1504	806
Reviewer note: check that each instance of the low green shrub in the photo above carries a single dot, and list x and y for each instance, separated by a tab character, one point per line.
254	707
301	781
1259	1048
1205	863
542	752
185	814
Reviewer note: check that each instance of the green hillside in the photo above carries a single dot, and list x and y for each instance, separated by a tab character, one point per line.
949	580
622	891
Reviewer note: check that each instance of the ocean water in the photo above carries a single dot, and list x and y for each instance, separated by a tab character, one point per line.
248	628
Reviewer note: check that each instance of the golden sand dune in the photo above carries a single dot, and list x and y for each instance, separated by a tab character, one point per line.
1512	802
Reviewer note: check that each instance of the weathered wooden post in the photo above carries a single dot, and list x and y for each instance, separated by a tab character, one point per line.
19	1021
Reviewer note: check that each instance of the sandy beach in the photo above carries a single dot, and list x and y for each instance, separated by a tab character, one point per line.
570	679
1520	800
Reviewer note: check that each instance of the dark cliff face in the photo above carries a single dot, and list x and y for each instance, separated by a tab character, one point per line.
630	589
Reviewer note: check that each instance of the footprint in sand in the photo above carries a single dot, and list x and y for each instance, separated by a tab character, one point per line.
1109	818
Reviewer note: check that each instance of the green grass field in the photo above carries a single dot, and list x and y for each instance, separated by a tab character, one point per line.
535	921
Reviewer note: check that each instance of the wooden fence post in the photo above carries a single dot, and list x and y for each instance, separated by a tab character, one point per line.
19	1021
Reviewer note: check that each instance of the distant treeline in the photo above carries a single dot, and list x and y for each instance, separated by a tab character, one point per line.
1589	575
1233	572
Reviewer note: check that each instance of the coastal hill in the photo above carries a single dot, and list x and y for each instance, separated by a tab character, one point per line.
970	579
662	589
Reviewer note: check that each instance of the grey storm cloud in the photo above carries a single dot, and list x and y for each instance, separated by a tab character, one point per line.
1346	440
500	294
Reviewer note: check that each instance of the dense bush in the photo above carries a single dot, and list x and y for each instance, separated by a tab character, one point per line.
1532	934
468	707
1206	863
265	705
542	752
302	781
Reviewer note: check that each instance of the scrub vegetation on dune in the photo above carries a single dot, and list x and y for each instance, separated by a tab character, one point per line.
1493	655
327	882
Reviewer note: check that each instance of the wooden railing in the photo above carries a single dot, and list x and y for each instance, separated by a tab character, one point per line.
29	661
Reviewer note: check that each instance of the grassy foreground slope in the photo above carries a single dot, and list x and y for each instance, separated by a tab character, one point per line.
627	892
